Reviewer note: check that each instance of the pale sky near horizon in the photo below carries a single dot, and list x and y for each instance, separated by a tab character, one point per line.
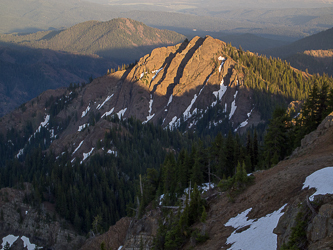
230	3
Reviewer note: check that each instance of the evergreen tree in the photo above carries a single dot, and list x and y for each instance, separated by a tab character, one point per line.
276	139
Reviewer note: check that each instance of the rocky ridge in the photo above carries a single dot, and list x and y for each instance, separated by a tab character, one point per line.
169	86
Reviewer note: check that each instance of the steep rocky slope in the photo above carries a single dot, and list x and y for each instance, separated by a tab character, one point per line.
169	86
42	227
278	191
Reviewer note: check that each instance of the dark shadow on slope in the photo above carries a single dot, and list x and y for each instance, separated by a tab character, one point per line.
128	55
183	63
26	72
51	35
167	63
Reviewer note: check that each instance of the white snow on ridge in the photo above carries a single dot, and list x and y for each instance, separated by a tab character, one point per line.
173	122
84	113
86	155
112	152
219	93
27	243
156	72
150	104
77	147
249	114
260	233
170	100
233	109
43	124
149	117
187	113
81	127
221	58
20	153
321	180
101	105
10	239
107	113
121	113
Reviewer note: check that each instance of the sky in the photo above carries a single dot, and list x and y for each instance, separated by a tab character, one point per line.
210	4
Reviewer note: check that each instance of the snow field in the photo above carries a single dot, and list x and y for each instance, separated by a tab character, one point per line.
260	233
321	180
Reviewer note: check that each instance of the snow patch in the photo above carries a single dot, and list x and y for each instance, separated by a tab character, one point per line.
84	113
42	124
219	94
82	127
101	105
112	152
156	72
20	153
260	233
233	109
161	199
173	122
249	114
170	100
86	155
27	243
10	239
78	147
187	113
205	187
321	180
221	58
150	116
107	113
121	113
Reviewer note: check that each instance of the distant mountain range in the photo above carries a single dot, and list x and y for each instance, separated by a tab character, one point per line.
313	53
36	62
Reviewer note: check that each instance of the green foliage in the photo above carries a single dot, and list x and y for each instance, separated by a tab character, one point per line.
298	239
238	183
107	180
274	81
285	133
174	233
